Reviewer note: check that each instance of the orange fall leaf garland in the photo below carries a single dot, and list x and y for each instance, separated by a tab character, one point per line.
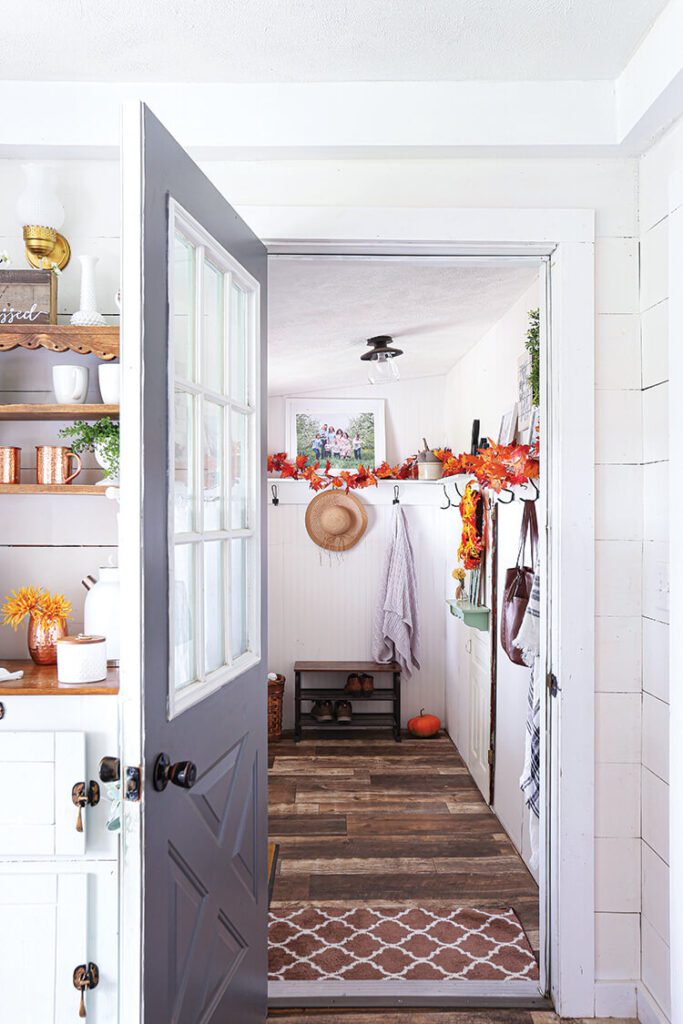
497	467
471	542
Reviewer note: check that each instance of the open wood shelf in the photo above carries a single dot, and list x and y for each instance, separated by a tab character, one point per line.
93	411
54	488
41	681
102	342
323	693
474	615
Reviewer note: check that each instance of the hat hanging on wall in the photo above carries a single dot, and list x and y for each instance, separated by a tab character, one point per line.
336	521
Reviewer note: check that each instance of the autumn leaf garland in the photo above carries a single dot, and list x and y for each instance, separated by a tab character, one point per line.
496	467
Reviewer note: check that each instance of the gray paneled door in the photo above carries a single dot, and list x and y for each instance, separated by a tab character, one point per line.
204	824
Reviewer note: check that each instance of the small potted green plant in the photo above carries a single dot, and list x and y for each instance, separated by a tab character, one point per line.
101	438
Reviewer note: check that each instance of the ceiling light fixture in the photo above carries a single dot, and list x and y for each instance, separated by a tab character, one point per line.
383	368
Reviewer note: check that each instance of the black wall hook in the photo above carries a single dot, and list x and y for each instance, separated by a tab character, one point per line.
273	491
449	503
397	500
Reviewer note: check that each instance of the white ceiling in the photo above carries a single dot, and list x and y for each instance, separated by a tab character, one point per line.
320	40
322	310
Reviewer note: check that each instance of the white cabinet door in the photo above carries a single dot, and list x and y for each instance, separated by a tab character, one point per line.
46	916
480	712
37	773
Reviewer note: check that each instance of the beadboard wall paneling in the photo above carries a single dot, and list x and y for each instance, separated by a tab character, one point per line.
322	606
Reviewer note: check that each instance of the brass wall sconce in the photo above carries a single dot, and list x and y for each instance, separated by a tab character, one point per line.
41	215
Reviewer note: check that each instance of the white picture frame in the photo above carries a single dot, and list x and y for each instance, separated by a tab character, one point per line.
359	419
508	427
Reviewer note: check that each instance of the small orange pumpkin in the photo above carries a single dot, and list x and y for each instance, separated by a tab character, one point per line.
424	725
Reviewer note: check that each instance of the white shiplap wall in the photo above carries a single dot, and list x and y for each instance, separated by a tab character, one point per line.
655	170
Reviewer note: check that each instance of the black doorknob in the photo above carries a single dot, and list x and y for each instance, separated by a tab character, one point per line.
182	773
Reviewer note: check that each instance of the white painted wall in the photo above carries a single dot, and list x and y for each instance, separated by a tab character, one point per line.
322	607
610	187
413	409
656	168
483	385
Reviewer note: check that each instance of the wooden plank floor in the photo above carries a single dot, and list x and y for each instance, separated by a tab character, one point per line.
427	1017
370	819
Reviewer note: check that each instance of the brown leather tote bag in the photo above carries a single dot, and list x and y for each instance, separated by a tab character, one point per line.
518	583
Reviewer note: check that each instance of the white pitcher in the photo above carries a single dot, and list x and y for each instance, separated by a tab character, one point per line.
103	609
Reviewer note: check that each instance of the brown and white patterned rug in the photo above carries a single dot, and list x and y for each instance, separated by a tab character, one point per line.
309	942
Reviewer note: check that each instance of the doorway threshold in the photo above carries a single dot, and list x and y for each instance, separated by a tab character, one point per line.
449	995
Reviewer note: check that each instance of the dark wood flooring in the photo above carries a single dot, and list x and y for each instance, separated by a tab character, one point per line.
426	1017
370	819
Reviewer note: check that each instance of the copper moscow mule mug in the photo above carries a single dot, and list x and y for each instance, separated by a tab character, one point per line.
10	465
52	464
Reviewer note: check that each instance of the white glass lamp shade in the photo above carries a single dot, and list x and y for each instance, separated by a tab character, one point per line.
38	203
383	369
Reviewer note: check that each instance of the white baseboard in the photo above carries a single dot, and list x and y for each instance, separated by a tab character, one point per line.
616	999
649	1011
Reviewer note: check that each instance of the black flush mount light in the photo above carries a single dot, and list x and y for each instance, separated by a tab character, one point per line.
382	369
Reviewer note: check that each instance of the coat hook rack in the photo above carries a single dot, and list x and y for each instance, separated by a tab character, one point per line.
275	498
397	500
538	493
510	498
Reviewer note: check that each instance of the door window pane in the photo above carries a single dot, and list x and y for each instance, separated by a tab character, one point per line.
213	465
212	329
183	327
239	630
238	344
239	469
184	632
183	492
214	619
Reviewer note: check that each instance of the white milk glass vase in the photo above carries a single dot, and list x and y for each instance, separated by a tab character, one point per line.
87	315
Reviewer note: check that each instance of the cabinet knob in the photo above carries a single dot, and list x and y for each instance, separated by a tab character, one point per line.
84	795
110	769
85	978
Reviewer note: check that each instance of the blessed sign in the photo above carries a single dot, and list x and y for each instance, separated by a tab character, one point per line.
28	297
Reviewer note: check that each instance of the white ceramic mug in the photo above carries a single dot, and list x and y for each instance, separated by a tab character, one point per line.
110	382
70	384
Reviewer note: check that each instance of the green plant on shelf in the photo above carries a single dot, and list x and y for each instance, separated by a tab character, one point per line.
101	437
533	336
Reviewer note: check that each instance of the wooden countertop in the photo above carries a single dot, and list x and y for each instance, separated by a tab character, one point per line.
41	681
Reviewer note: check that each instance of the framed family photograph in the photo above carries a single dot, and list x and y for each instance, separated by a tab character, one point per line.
347	431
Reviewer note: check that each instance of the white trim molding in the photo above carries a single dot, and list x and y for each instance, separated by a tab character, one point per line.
567	238
676	595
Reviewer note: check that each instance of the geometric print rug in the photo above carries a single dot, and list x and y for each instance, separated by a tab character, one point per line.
309	942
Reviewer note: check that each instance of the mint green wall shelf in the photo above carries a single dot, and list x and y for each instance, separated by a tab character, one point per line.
474	615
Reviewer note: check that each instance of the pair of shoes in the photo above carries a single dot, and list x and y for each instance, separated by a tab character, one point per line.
325	711
359	683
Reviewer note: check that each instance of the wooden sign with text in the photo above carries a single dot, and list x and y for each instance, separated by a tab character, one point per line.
28	297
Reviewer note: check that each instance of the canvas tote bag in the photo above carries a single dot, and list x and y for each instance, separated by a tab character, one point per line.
518	583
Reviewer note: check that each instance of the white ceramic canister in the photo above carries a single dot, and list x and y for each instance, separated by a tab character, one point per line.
102	613
81	659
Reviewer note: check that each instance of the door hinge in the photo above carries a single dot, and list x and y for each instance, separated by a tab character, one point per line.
552	684
491	755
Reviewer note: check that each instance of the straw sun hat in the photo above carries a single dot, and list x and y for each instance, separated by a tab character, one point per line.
336	521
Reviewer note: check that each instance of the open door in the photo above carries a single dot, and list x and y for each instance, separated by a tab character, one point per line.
194	901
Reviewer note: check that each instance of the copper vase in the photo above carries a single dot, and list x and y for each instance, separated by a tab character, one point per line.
43	637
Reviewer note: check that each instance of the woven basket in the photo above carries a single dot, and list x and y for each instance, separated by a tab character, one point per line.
276	690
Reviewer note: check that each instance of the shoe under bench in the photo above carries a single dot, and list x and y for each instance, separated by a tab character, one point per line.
361	720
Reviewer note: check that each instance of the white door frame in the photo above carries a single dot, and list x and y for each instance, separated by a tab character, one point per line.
566	237
675	211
